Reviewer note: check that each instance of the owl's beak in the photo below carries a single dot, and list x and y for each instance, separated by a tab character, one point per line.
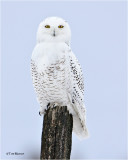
54	34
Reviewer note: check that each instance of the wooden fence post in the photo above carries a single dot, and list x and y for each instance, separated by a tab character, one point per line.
56	138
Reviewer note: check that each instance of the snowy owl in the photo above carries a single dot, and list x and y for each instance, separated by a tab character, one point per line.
56	73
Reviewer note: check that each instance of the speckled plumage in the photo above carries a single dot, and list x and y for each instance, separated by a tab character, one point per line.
57	75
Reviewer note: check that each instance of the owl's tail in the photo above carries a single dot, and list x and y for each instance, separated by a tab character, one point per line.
80	128
79	121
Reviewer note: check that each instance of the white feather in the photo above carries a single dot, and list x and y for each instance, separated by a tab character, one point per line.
56	74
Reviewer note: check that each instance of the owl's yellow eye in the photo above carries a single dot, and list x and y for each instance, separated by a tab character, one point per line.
47	26
60	26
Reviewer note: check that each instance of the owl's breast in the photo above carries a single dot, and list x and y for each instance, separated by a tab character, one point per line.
46	54
50	84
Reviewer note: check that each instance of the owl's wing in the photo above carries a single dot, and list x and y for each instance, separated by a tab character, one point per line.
77	95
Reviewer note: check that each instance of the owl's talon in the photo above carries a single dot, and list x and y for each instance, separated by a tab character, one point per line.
48	106
55	104
40	113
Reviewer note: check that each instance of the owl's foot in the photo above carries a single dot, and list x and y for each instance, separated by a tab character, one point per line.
48	106
52	105
41	111
55	104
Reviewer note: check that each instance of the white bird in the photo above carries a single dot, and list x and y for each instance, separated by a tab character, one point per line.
56	73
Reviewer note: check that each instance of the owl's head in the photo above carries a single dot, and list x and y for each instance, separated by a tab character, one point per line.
54	29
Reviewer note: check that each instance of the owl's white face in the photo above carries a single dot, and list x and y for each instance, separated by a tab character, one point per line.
54	29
